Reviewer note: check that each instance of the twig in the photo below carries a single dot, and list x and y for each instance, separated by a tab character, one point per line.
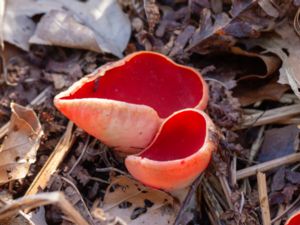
226	190
286	210
108	169
270	116
263	198
81	198
80	157
279	212
233	170
263	167
257	143
61	149
188	198
33	201
214	207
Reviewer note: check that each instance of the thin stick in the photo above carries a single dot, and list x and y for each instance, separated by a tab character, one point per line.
287	210
226	190
80	196
270	116
263	198
263	167
188	198
80	157
33	201
54	160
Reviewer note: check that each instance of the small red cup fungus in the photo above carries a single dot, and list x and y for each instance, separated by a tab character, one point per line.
180	151
294	219
124	103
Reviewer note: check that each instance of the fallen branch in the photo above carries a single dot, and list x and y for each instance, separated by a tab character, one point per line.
263	167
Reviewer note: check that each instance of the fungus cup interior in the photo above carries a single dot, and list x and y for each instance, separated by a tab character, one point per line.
180	136
294	220
148	79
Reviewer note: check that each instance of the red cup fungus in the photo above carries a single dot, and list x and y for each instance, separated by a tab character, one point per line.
294	219
124	103
180	151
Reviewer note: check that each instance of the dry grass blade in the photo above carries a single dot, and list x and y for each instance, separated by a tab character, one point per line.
263	167
61	149
38	100
263	198
30	202
270	116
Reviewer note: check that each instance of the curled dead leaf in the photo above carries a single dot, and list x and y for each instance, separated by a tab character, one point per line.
18	150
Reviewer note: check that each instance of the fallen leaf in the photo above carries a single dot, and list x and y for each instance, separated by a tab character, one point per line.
209	32
286	46
18	27
18	150
278	181
254	91
271	62
247	19
293	177
279	142
99	26
137	204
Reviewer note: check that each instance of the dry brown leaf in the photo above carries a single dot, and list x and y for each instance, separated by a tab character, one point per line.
251	92
247	19
18	150
287	47
272	63
136	204
99	26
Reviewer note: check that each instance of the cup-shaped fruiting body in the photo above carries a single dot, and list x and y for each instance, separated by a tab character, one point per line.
180	151
123	103
294	219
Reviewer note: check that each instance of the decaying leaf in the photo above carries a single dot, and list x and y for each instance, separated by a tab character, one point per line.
279	142
136	204
99	26
210	30
286	45
18	27
254	91
271	62
247	19
18	150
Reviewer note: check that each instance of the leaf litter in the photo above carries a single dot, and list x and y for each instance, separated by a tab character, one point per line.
242	48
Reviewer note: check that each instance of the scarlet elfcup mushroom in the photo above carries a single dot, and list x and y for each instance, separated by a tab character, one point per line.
294	219
124	103
180	151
